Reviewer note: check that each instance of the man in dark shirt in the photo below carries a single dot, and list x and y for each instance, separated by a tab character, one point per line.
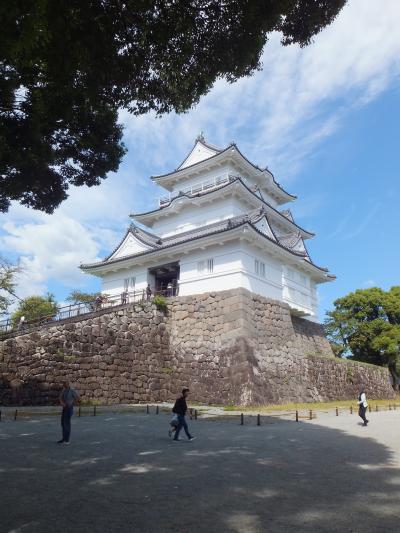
148	292
180	408
68	397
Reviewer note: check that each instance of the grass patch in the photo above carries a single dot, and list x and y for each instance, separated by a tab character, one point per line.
161	303
315	406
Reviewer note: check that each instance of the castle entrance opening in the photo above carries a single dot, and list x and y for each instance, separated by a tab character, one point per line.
165	278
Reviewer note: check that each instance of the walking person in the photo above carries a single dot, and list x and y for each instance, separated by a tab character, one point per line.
21	323
169	289
180	409
68	397
363	404
148	292
124	297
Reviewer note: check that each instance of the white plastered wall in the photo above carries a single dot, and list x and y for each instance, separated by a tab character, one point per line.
113	282
233	268
192	216
129	246
299	290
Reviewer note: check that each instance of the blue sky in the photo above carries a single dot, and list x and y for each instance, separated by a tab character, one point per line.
324	119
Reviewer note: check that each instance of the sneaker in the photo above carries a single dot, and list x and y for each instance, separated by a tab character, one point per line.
191	438
66	442
60	441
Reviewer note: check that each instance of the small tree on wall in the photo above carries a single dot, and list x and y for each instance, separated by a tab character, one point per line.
79	297
35	307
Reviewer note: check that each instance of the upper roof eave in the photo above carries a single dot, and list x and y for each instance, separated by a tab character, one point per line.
163	179
200	139
291	197
179	170
306	234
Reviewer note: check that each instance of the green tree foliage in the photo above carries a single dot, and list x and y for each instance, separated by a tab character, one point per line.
67	66
8	271
366	325
78	297
35	307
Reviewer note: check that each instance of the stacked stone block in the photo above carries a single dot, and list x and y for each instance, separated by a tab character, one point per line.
230	347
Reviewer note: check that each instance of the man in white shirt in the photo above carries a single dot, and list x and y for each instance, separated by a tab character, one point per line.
363	404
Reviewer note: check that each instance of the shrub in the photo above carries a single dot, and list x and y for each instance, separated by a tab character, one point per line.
160	302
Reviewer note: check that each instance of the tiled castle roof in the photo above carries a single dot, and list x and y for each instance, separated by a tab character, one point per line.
286	215
219	151
156	243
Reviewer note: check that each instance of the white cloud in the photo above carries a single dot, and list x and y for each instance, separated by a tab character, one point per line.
281	113
49	249
278	117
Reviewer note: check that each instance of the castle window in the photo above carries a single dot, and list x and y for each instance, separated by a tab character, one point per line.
200	267
303	279
290	274
210	265
126	284
256	266
262	270
133	282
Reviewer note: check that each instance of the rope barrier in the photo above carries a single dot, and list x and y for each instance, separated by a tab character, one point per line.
16	414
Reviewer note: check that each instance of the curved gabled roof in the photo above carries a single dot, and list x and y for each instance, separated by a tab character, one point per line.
236	179
292	196
199	140
141	235
219	152
180	169
223	226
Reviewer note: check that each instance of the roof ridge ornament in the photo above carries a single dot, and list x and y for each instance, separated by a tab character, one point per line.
200	137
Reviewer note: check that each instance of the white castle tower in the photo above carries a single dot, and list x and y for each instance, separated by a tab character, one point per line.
220	226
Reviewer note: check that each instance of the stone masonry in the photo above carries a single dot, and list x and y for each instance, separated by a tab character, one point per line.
230	347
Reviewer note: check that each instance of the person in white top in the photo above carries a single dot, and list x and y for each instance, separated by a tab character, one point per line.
363	404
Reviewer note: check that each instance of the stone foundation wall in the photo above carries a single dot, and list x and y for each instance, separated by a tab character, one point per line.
229	347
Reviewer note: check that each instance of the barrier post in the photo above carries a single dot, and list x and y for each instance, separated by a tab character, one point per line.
157	410
310	414
369	408
394	407
351	409
376	408
94	411
258	420
297	416
337	411
195	414
147	409
241	419
79	411
390	407
15	414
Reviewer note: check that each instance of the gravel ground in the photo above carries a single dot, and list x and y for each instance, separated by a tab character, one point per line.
122	473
